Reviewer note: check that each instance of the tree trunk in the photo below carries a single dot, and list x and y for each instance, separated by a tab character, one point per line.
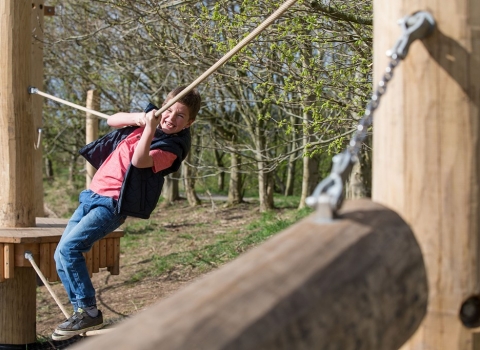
171	192
355	188
221	175
235	184
310	179
189	182
290	182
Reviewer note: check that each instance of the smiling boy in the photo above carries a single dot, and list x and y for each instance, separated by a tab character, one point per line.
132	162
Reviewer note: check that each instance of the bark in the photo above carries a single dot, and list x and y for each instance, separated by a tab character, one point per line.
189	181
235	184
171	192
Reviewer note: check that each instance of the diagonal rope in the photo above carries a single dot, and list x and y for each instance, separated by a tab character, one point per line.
34	90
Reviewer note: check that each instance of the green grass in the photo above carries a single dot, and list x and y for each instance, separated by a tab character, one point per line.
227	246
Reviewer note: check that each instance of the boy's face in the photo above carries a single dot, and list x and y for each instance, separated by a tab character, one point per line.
175	119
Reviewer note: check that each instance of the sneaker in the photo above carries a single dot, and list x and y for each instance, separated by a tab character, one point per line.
80	323
58	337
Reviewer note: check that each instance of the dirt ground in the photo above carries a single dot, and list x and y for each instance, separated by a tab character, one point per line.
117	296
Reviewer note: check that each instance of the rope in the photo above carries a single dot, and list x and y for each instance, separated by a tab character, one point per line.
228	55
34	90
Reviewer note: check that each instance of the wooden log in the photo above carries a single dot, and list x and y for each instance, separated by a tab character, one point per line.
16	134
18	307
358	282
426	164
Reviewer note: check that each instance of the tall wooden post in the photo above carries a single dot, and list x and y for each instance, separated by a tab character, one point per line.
91	130
37	103
426	155
17	209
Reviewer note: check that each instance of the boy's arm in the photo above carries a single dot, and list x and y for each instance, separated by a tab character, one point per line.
119	120
141	156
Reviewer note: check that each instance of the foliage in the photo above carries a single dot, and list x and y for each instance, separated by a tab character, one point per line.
297	90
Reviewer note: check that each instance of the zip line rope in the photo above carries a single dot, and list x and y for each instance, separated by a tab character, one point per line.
205	75
34	90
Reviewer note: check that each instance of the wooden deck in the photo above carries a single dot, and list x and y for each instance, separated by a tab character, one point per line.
42	241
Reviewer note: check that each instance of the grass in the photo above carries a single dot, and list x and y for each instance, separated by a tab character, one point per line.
209	251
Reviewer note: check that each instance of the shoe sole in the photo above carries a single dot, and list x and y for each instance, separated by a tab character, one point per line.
57	337
77	332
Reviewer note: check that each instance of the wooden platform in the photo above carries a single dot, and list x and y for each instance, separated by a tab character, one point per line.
42	240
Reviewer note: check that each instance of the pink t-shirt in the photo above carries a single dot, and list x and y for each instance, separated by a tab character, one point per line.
109	177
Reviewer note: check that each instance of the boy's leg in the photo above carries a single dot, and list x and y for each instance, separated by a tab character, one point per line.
97	218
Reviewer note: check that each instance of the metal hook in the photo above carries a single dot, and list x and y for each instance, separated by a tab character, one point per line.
416	26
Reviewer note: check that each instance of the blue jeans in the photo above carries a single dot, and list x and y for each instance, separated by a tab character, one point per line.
94	218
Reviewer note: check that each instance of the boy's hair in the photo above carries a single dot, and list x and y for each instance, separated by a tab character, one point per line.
191	100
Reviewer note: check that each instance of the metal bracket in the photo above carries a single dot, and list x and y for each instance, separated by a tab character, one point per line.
416	26
328	195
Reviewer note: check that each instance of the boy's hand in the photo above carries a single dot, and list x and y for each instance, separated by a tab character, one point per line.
151	120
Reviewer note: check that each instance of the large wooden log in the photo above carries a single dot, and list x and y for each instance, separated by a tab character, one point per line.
426	161
17	136
354	283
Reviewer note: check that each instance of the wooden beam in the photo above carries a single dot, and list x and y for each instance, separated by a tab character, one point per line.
356	282
425	155
17	133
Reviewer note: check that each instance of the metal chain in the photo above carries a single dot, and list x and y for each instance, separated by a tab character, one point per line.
327	197
361	133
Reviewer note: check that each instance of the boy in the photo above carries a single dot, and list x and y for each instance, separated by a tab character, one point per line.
132	162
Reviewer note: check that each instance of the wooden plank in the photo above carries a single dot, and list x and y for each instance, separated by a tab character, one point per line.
356	282
47	230
9	260
45	259
95	257
103	253
20	250
53	266
110	252
115	269
2	263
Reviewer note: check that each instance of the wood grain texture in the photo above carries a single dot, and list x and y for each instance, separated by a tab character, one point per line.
16	125
355	283
18	307
426	164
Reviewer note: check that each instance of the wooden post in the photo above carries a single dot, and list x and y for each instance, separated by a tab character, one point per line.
37	103
426	155
17	209
355	283
16	126
91	130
